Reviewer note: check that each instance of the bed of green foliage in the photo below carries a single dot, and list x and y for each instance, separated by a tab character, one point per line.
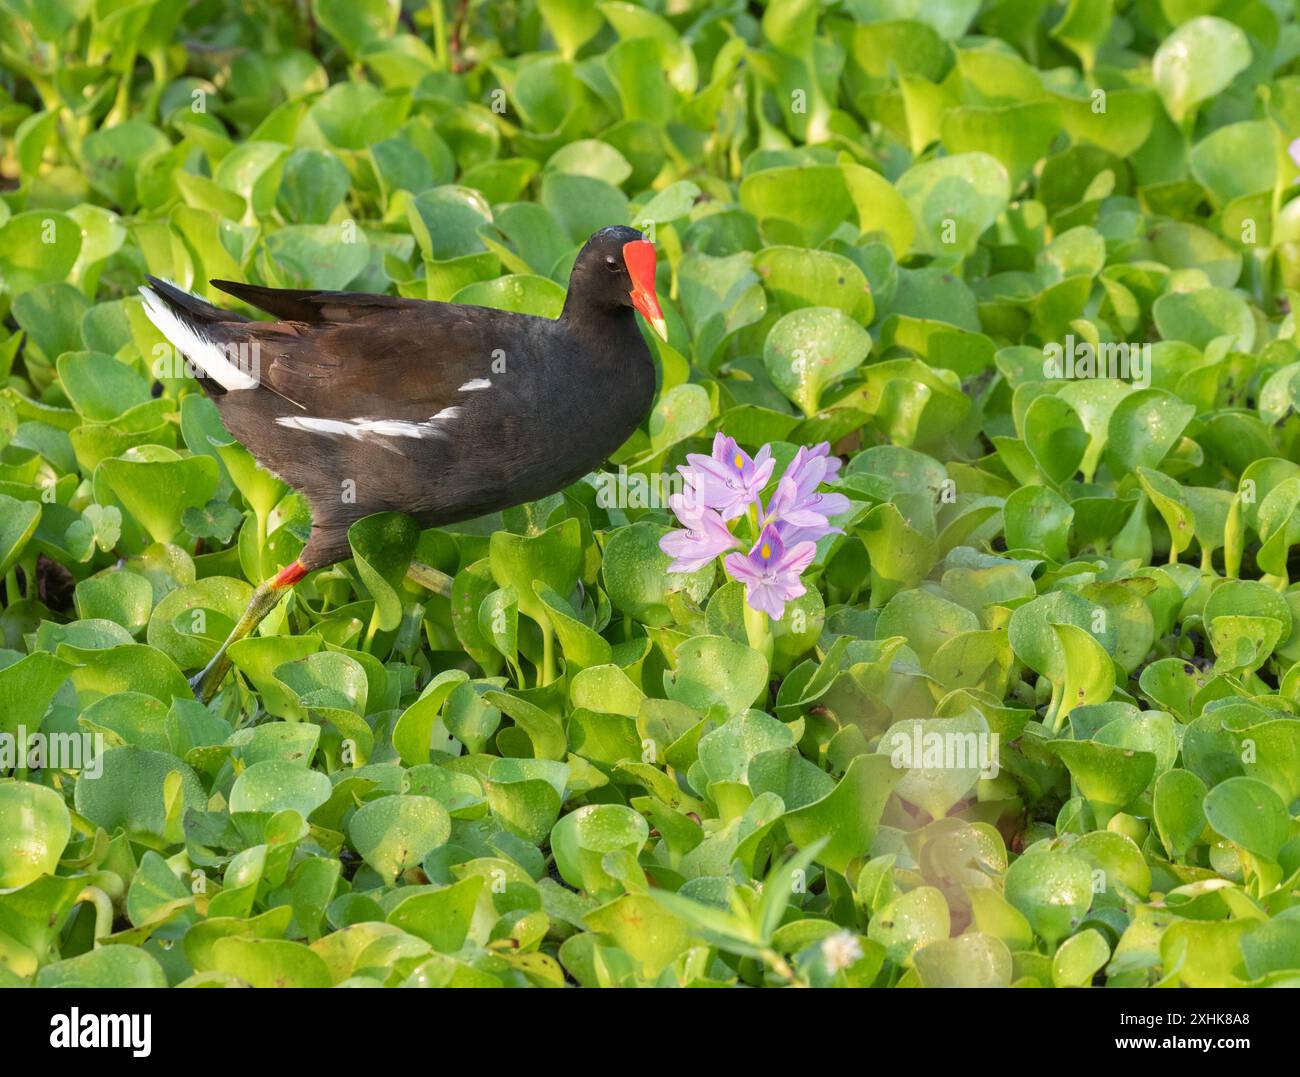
875	219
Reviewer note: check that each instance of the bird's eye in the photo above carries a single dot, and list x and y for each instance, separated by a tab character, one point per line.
611	264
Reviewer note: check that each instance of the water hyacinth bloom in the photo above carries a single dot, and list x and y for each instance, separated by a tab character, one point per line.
802	517
770	572
728	480
811	467
727	486
703	537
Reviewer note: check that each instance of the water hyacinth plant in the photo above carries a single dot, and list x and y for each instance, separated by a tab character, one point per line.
995	682
722	512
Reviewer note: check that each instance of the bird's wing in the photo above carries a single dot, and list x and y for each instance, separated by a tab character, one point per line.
413	366
350	354
314	306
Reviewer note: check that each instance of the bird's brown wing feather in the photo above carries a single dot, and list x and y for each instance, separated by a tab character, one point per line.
378	366
313	305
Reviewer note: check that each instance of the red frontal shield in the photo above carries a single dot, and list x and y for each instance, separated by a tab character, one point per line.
639	257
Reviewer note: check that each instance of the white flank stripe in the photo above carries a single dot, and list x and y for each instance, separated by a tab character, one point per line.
474	384
200	351
319	426
394	428
363	429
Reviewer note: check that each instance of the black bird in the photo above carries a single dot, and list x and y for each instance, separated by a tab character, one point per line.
439	410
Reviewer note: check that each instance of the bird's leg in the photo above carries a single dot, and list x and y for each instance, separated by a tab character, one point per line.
265	598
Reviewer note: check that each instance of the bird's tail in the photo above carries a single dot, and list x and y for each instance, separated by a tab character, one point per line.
194	327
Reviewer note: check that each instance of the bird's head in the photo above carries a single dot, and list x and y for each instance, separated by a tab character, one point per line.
616	268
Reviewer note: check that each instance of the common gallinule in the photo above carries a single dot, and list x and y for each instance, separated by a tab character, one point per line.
439	410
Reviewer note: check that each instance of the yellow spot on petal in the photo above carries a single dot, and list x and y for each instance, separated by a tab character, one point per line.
740	460
766	551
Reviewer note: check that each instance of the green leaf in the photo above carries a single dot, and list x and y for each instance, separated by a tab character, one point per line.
554	557
848	816
110	966
37	247
582	839
357	26
1143	428
144	792
636	574
18	520
414	731
36	827
157	492
394	833
1203	316
1110	778
1197	62
1053	889
911	922
270	962
712	671
441	917
953	200
970	960
1079	958
810	349
383	546
1249	813
274	785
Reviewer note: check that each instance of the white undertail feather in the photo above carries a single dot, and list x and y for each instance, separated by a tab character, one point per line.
208	356
473	384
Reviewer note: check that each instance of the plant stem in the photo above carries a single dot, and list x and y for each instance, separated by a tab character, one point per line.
758	632
1053	716
547	673
440	34
430	578
103	911
122	102
781	967
371	629
1233	540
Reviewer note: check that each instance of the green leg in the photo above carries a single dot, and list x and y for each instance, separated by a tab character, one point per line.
268	594
208	680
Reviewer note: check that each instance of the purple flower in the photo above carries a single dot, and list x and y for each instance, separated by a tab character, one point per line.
729	480
705	535
728	484
1294	151
770	572
812	467
802	519
796	507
